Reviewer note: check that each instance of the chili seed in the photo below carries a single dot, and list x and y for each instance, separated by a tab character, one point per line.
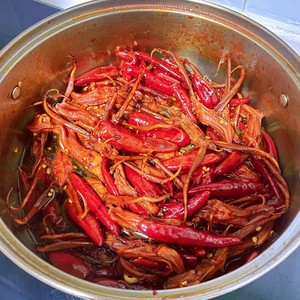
254	239
15	149
130	279
184	283
258	228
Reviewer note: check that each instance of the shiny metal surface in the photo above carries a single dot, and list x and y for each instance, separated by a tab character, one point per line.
200	31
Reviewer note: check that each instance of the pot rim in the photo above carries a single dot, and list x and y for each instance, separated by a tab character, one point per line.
271	257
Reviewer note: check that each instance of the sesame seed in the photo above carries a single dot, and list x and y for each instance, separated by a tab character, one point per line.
16	150
44	166
258	228
184	283
48	171
130	279
254	239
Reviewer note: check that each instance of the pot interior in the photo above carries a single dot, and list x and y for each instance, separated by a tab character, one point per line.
40	60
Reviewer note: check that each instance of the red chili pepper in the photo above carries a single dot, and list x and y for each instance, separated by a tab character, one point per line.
204	176
123	138
106	272
199	252
170	62
141	184
241	126
128	56
150	79
269	145
139	118
245	173
175	90
189	259
176	210
108	179
230	163
148	263
184	100
173	134
94	202
253	254
53	213
134	207
114	283
124	75
88	223
167	78
212	134
261	169
145	89
207	95
170	187
112	188
186	160
97	74
185	236
70	264
227	189
239	101
161	65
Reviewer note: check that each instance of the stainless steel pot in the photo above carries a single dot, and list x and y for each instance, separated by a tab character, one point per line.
37	60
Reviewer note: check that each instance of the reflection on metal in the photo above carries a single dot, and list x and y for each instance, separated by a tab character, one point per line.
283	100
63	3
16	91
